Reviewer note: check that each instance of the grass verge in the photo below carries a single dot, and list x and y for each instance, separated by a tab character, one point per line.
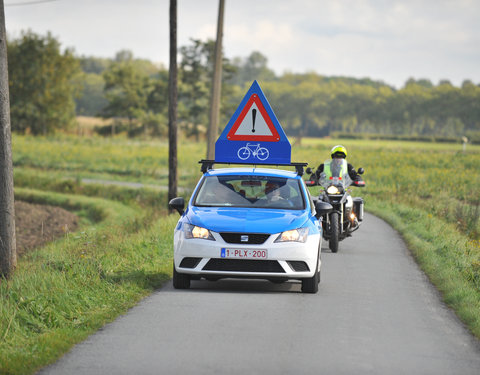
70	288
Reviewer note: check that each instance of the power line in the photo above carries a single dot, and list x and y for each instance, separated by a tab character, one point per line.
29	3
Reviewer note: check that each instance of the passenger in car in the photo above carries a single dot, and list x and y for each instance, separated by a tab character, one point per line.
272	192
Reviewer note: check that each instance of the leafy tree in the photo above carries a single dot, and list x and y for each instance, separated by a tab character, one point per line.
94	65
469	106
126	89
300	108
306	104
194	87
145	66
421	82
195	76
136	90
91	101
253	67
157	100
42	83
157	104
310	104
124	56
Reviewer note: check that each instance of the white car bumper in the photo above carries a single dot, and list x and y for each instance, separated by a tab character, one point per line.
288	260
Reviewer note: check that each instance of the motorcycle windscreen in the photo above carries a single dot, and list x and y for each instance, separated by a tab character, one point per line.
338	167
337	174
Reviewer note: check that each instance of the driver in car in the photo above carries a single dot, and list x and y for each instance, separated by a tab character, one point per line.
272	192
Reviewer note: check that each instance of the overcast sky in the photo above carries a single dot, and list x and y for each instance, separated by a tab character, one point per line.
381	39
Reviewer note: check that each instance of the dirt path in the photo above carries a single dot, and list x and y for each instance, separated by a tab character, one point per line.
37	224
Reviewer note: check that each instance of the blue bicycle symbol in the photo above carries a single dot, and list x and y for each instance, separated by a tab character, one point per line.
261	153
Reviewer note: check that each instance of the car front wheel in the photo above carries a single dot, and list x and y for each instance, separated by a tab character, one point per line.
310	285
180	280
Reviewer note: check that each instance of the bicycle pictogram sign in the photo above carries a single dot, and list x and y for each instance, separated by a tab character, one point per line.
261	153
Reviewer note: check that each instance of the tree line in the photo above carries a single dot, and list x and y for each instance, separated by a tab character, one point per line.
50	86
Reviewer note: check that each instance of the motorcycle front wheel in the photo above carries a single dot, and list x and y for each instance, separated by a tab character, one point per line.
334	232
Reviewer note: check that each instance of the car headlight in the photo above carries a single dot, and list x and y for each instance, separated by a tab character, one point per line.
295	235
333	190
192	231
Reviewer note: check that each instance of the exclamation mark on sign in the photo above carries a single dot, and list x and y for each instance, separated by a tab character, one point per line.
254	114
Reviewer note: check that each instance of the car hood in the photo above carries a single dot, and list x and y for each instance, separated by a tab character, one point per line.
246	220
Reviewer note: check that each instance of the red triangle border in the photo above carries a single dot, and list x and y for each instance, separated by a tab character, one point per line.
275	137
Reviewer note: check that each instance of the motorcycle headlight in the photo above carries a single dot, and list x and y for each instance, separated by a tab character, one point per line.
192	231
295	235
332	190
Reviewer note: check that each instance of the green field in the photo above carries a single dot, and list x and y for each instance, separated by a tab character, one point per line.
68	289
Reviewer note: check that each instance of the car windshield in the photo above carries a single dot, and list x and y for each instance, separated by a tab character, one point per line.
250	191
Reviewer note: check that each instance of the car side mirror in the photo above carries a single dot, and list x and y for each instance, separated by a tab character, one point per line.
323	208
361	171
177	204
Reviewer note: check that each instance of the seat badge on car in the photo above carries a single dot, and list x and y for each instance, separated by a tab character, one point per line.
244	238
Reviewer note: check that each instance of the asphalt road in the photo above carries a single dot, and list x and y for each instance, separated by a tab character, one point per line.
375	313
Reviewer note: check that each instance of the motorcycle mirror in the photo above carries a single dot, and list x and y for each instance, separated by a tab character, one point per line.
309	170
361	171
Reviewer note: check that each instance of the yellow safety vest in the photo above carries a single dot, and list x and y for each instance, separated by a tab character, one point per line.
338	172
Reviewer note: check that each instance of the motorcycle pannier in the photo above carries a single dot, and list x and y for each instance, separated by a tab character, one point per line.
358	208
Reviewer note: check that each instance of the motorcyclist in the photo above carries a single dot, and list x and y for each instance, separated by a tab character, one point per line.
335	176
337	152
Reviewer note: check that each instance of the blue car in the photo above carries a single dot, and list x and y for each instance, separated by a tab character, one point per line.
249	223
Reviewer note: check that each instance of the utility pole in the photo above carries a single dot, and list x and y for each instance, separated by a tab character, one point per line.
216	86
172	104
8	252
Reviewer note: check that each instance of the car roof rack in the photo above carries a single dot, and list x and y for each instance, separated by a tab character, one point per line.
208	164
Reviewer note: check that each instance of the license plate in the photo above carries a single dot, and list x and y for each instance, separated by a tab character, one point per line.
244	253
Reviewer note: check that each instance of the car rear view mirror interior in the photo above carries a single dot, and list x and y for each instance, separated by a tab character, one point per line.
178	204
251	183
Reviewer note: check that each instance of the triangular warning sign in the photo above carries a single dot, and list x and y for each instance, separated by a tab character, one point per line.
253	135
253	123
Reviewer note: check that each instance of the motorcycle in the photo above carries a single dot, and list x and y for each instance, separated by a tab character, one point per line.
347	214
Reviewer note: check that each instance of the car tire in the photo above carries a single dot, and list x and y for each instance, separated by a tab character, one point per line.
180	280
310	285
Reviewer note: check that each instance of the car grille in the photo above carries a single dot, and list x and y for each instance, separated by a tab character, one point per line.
298	266
243	265
253	238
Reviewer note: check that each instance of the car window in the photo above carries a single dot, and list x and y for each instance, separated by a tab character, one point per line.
250	191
